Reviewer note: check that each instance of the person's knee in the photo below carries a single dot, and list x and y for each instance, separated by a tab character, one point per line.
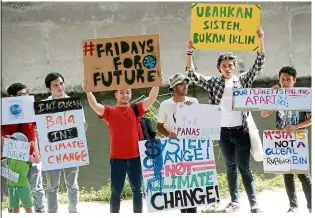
231	167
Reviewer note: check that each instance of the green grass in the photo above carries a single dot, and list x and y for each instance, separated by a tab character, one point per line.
103	194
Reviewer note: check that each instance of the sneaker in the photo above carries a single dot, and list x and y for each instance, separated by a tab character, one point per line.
255	209
293	210
232	207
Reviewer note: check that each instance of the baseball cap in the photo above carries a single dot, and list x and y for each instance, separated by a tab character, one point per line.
177	79
19	137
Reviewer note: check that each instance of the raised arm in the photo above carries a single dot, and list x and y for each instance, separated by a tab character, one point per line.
195	77
146	103
97	107
248	78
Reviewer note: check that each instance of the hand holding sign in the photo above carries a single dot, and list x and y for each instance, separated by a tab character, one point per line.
189	45
260	33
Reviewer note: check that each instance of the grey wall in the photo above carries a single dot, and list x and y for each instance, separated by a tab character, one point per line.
38	38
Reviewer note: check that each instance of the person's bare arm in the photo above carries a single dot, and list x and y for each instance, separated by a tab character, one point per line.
146	103
163	131
304	124
36	157
265	113
97	107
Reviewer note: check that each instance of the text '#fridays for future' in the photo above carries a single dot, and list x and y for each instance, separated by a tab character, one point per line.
178	173
122	62
59	127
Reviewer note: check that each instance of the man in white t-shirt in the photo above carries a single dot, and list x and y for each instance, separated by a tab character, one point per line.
167	111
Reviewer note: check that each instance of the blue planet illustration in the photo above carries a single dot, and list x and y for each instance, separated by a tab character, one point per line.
16	109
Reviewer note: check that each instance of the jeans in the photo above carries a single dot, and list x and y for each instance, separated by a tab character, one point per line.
235	146
118	170
36	184
53	182
291	191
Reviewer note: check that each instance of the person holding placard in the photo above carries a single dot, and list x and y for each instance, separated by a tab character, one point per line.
125	133
167	111
234	139
56	86
29	129
292	121
20	190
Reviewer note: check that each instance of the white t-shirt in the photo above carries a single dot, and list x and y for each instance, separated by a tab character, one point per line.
167	112
229	118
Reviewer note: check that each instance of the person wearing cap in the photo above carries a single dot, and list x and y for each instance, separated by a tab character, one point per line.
234	140
125	133
29	129
167	112
20	190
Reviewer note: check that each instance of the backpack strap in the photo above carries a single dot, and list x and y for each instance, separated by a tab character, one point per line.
135	109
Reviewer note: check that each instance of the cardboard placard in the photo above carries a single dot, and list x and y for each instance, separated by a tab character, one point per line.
122	62
285	152
178	173
292	99
61	133
9	174
224	26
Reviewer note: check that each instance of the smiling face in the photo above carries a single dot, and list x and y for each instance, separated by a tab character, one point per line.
123	96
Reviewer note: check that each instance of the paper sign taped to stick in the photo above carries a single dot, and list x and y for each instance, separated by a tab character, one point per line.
224	26
16	149
198	121
61	131
285	152
178	173
293	99
9	174
17	110
122	62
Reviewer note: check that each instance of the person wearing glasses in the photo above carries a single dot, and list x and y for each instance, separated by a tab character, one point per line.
35	178
234	139
292	121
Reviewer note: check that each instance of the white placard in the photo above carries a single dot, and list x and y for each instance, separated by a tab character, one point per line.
285	152
178	173
293	99
9	174
16	149
17	110
198	121
62	139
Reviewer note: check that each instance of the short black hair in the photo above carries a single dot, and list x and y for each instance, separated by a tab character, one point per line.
289	70
52	76
14	88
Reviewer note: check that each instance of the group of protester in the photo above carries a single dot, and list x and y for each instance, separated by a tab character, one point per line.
124	151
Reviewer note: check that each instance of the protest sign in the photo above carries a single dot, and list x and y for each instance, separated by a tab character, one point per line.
285	152
62	139
17	110
198	121
224	26
178	173
121	62
9	174
293	99
16	149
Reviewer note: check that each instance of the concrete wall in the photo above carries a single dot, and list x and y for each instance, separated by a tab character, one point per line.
38	38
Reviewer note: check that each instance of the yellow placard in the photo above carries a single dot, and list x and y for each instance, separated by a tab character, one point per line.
225	26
